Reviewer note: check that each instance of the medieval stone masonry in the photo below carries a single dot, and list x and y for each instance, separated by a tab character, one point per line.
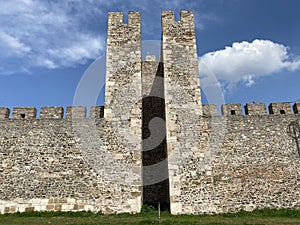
153	141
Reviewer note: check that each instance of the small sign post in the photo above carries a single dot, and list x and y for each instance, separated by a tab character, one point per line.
159	212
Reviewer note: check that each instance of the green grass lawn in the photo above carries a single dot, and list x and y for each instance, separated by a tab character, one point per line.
258	217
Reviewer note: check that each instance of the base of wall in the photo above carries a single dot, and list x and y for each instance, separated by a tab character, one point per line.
60	205
51	204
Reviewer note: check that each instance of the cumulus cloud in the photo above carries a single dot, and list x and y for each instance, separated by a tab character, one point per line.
246	61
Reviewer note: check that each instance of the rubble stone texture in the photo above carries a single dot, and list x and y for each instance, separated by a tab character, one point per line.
52	112
76	112
210	110
24	113
4	113
110	161
231	109
182	94
296	108
280	108
255	109
96	112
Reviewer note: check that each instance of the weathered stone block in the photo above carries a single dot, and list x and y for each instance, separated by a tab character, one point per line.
52	113
75	207
63	200
296	108
24	113
76	112
255	109
231	109
13	209
278	108
49	207
4	113
96	112
29	209
57	207
150	58
210	110
6	209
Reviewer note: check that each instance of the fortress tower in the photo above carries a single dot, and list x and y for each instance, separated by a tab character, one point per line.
169	91
184	144
153	141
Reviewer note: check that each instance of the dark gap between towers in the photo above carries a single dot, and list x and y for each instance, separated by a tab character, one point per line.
157	157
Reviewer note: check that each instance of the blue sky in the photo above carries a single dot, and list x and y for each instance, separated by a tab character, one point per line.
251	47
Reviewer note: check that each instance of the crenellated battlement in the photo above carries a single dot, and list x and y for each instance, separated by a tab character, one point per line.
69	159
252	109
52	112
24	113
186	18
231	109
117	18
96	112
179	31
296	108
4	112
255	109
280	108
119	32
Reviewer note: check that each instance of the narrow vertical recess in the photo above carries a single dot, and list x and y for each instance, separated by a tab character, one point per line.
156	182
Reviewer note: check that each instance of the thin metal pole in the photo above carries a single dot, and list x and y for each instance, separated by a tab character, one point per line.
159	212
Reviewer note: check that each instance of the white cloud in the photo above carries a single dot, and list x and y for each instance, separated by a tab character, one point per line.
55	33
244	62
12	45
85	48
49	34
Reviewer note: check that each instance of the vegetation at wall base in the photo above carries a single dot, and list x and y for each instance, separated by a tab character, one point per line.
149	216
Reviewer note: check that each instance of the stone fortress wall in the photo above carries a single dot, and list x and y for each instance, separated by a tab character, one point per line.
206	162
256	165
246	162
45	163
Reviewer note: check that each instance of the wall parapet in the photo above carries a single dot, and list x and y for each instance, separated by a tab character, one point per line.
231	109
52	112
252	109
119	32
4	113
296	108
280	108
210	110
96	112
76	112
255	109
183	28
24	113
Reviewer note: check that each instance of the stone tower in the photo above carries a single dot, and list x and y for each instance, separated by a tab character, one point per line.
167	92
123	64
123	96
182	95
